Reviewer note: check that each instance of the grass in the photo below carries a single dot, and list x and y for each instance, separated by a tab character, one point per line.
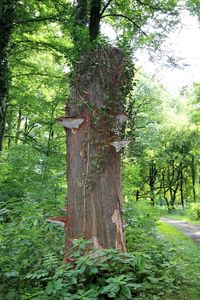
188	257
181	215
182	218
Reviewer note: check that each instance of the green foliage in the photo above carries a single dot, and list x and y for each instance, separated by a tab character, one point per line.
131	180
23	177
31	259
194	6
141	220
162	161
193	211
24	242
100	274
27	199
32	166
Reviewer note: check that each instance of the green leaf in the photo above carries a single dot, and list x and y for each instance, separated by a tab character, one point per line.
126	292
11	295
50	288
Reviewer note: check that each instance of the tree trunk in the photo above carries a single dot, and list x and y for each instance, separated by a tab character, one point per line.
152	180
181	185
94	26
6	24
164	189
137	196
19	121
173	182
94	189
193	169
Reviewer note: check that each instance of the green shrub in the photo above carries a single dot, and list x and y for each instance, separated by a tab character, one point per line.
140	222
31	254
100	274
194	211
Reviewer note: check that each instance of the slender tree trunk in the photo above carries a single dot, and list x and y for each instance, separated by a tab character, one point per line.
94	188
173	182
137	196
49	140
181	185
19	120
170	179
173	193
152	180
7	16
165	190
193	169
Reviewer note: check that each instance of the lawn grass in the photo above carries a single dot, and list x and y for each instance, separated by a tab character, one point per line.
188	257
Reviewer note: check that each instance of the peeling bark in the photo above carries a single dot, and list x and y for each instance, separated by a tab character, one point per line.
94	187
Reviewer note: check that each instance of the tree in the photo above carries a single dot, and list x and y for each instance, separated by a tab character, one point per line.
7	18
101	82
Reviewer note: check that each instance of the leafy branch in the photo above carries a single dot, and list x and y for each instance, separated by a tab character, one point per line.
105	7
35	74
41	19
155	45
127	18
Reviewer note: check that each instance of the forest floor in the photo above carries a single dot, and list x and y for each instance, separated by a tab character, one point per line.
191	230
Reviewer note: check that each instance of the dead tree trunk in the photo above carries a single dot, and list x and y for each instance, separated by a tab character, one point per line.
95	106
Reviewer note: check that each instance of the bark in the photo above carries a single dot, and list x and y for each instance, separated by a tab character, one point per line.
6	25
173	175
137	196
94	188
152	180
95	15
49	141
193	169
165	189
181	185
19	121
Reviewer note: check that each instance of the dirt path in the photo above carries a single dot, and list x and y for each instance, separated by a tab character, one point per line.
191	230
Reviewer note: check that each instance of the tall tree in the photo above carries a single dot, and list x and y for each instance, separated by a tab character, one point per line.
7	18
101	81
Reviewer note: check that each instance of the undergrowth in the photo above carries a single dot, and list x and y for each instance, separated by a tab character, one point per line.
149	270
105	274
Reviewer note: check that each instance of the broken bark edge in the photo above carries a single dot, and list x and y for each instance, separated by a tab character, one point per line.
119	242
